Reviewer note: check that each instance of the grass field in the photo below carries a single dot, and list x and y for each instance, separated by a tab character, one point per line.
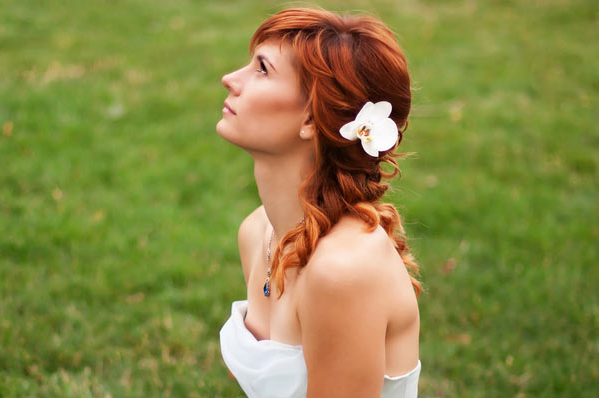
119	204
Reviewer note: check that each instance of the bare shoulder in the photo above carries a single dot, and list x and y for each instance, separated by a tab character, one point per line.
352	262
346	301
350	252
250	237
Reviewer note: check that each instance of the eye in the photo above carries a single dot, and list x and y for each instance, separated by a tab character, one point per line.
262	69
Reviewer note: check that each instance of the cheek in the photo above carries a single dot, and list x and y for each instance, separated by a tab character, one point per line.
273	117
273	110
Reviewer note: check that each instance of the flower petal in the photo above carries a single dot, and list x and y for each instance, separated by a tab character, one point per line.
384	134
381	110
369	147
348	130
365	112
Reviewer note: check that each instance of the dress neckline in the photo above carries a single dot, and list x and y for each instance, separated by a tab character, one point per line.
244	304
275	343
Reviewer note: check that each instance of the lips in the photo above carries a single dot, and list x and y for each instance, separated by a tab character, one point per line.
229	108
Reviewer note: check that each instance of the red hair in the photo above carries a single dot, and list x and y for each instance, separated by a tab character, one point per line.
342	62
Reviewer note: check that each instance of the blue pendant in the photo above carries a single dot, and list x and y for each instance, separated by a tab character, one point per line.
267	289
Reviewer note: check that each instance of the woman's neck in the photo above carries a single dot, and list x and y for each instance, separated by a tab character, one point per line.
278	181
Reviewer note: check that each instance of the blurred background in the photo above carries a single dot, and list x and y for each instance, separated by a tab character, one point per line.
119	203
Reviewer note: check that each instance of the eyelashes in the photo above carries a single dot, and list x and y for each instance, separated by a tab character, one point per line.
263	68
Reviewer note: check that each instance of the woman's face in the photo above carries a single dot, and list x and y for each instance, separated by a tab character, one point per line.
265	109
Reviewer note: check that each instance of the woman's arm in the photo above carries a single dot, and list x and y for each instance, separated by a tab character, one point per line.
342	312
249	238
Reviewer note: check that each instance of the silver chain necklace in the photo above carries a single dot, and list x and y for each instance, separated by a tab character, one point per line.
267	286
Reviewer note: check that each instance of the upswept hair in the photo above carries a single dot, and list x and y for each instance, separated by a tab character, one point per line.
343	62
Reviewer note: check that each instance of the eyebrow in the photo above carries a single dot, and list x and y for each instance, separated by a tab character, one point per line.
261	57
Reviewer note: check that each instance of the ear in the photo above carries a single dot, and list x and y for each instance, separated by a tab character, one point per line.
307	131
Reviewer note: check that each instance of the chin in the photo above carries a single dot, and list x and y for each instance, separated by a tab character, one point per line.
243	139
228	134
223	131
219	127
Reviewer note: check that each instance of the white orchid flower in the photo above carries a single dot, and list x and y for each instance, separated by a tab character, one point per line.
377	132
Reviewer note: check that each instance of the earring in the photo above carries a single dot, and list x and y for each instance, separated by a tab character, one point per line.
302	132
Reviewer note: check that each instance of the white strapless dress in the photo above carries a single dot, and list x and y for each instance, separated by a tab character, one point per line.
269	369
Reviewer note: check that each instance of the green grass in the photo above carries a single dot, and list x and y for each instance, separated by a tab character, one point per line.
119	204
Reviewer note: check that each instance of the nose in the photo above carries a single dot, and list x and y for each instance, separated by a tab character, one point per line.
231	83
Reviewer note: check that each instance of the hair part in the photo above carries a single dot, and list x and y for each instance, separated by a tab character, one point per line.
343	61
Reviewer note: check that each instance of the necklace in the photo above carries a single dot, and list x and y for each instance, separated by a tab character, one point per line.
267	286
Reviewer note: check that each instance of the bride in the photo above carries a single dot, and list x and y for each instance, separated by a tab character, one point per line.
331	307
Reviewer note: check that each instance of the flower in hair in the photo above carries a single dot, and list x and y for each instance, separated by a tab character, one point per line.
376	131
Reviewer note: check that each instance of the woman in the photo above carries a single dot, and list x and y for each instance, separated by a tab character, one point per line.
331	309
